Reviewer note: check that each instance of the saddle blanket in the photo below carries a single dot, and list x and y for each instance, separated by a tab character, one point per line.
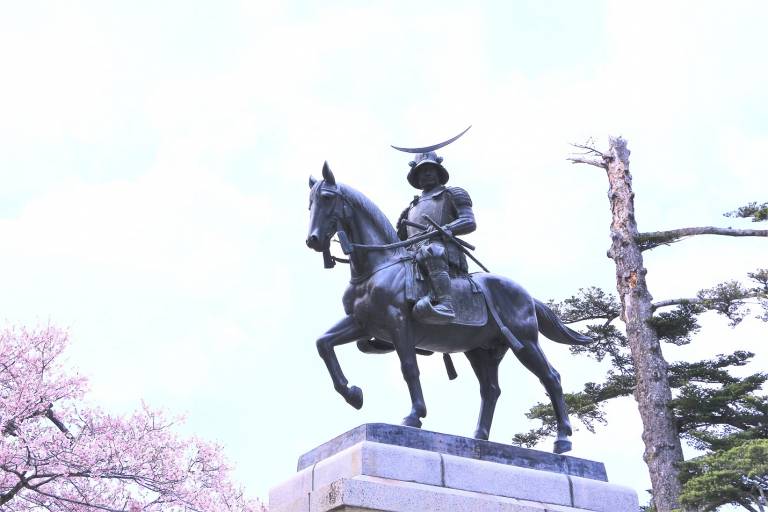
468	299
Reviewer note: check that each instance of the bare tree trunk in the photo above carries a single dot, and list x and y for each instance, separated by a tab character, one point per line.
652	392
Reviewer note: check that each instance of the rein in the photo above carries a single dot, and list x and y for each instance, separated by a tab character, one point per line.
365	277
340	210
397	245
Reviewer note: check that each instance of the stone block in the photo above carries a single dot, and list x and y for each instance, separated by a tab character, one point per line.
603	497
380	460
297	505
379	494
345	464
299	485
398	463
502	480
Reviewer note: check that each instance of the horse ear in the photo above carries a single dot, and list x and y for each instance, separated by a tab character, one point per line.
312	181
328	174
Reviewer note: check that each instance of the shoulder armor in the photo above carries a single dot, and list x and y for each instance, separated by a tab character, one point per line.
402	232
459	196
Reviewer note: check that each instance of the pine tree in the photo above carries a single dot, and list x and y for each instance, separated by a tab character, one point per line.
734	412
737	476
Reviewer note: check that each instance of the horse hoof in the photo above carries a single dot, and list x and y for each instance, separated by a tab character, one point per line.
481	434
562	446
410	421
354	397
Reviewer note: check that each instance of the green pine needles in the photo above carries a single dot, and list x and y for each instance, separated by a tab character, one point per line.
716	412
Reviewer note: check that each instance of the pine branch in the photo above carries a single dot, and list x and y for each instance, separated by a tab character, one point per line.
697	300
757	212
702	410
728	299
710	371
589	304
650	240
586	405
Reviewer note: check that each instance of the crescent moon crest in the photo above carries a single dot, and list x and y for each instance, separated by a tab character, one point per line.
434	147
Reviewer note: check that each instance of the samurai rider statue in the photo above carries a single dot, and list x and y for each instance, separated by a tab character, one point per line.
438	258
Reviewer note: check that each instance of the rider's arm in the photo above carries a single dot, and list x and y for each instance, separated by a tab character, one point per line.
465	217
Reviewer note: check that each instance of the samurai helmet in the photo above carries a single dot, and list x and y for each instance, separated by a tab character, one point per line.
426	156
422	160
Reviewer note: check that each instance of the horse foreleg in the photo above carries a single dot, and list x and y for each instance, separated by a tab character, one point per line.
345	331
485	363
406	351
534	359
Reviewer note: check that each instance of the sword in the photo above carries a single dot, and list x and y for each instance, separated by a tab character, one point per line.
457	241
425	228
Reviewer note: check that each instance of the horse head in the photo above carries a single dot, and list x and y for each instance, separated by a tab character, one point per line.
325	210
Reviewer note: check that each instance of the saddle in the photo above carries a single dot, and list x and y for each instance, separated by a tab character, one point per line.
468	299
468	303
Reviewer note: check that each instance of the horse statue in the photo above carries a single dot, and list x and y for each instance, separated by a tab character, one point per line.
379	311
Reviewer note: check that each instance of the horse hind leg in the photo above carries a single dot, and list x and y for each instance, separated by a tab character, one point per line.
485	363
345	331
534	359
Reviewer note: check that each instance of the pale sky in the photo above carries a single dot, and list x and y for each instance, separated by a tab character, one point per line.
153	189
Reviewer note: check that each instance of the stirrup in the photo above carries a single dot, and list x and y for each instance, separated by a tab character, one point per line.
426	312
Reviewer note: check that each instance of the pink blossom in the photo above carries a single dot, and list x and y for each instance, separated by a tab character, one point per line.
57	453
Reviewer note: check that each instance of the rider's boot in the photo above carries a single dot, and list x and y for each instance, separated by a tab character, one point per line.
426	311
437	308
441	283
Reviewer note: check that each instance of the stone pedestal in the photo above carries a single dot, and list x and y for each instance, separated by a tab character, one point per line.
379	467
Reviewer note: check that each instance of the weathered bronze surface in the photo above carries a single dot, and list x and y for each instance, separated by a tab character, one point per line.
410	292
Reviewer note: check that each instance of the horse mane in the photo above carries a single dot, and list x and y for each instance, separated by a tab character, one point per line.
361	201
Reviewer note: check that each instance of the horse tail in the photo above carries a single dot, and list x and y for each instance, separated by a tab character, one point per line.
554	328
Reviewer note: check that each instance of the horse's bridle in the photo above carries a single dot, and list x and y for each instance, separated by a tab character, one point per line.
339	212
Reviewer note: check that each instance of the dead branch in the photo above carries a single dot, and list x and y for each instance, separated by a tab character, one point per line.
590	156
589	161
589	150
654	239
675	302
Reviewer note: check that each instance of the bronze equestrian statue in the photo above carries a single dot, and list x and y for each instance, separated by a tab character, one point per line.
390	306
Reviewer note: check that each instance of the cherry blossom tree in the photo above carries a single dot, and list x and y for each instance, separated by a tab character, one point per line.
58	453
